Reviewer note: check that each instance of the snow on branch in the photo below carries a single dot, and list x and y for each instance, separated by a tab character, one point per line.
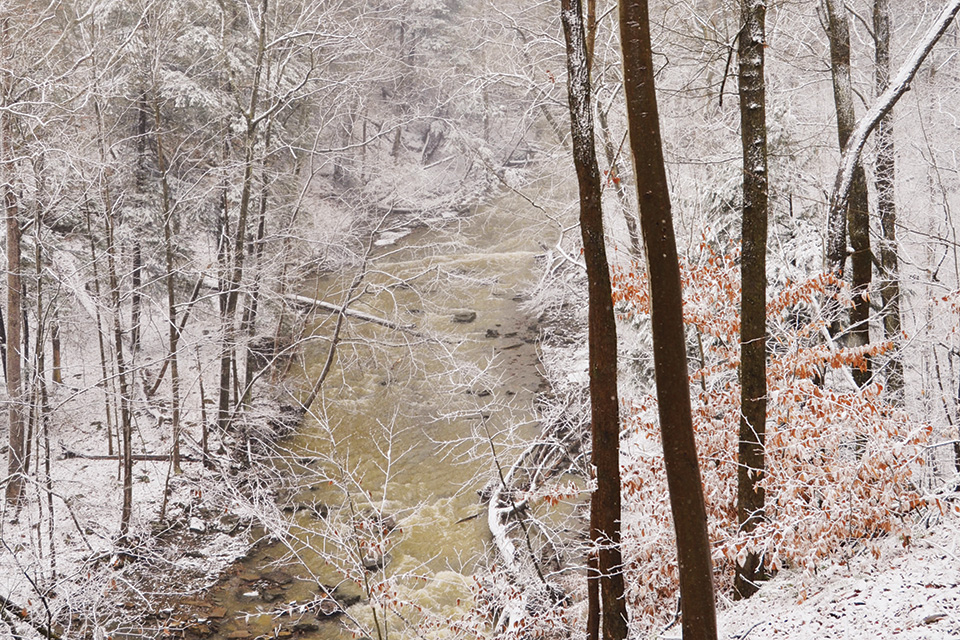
882	106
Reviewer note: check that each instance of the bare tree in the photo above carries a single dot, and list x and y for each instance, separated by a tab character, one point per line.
884	181
669	340
17	454
882	105
604	402
753	295
856	220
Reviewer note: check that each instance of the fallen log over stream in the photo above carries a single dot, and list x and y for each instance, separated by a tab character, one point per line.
313	303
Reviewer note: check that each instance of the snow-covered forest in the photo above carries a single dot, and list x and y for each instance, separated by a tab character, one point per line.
298	338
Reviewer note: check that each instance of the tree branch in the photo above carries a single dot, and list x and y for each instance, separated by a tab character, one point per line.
882	106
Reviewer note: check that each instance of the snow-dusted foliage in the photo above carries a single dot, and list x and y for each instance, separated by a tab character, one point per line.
840	461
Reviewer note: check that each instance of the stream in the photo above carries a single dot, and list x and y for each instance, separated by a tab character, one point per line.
386	470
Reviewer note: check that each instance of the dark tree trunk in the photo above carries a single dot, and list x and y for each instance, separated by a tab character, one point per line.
17	445
234	274
126	424
135	297
753	277
858	213
104	368
605	409
16	456
174	329
55	347
669	340
886	205
137	252
3	344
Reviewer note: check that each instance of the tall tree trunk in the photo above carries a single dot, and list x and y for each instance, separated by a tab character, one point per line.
41	402
104	359
669	340
173	328
136	297
604	403
255	250
235	271
17	441
17	453
753	277
886	204
882	105
142	172
858	213
126	424
55	349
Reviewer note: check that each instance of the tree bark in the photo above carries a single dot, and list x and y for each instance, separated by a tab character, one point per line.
173	327
669	341
883	104
55	347
857	216
126	424
16	455
235	271
104	368
753	295
604	403
17	441
884	181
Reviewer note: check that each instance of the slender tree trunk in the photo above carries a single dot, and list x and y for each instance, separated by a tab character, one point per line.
204	424
126	425
669	340
883	104
104	359
605	410
858	214
142	172
41	404
55	346
136	297
17	445
166	211
3	344
235	272
249	325
17	456
886	205
753	276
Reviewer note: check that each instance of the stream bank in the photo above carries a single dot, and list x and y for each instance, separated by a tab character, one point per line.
382	480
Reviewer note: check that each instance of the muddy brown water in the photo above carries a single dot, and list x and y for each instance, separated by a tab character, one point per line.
396	450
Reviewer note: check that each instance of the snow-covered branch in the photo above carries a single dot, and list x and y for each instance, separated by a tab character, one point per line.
882	106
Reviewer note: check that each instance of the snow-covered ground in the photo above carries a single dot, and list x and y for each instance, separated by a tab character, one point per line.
912	592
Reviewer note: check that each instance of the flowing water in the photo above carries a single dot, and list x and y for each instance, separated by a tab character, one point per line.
398	446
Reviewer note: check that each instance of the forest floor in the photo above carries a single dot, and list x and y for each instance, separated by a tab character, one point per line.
910	592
